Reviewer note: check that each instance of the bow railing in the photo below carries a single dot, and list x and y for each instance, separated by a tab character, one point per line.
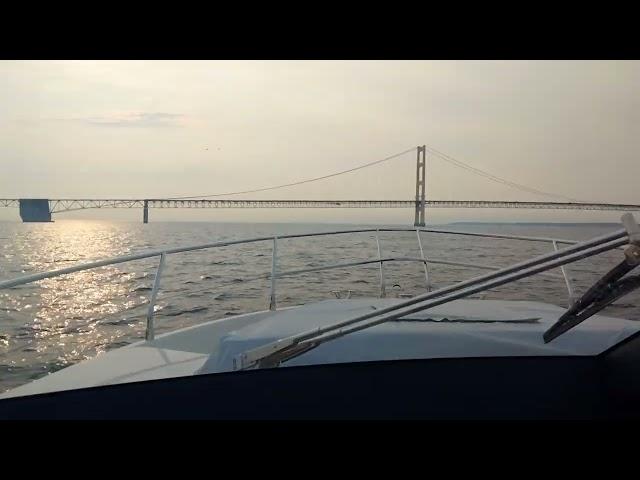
276	273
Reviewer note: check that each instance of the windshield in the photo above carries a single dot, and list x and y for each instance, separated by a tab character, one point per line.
242	160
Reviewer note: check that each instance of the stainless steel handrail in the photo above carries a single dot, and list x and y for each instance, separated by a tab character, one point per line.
155	253
435	261
150	333
272	354
426	267
274	261
567	280
274	274
383	292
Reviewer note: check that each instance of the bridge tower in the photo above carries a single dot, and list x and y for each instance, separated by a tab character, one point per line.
420	186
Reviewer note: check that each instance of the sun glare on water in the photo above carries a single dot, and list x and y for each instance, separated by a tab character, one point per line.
92	306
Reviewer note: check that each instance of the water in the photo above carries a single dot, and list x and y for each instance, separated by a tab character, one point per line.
56	322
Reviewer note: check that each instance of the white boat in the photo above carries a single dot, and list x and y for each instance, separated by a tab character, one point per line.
437	355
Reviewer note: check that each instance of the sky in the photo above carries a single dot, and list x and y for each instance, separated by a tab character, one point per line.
136	129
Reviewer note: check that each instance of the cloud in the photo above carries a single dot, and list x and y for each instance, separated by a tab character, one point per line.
143	119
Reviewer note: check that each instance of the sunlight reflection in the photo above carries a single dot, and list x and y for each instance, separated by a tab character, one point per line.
50	311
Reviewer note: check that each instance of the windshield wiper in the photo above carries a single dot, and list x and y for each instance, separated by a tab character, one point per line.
605	291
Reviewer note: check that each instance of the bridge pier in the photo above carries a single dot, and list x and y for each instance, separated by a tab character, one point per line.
35	210
420	187
145	212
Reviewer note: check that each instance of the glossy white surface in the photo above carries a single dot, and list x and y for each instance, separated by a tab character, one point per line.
464	328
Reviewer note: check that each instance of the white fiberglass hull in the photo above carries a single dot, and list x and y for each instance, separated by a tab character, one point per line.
464	328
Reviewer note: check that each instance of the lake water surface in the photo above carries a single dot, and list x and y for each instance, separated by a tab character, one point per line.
50	324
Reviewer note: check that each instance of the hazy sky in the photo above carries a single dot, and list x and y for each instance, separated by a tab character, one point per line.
167	128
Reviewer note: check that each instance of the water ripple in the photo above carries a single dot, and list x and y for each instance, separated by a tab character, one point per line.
57	322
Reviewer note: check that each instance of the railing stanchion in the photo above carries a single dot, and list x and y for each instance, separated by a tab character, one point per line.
150	333
274	258
567	280
112	261
424	260
383	291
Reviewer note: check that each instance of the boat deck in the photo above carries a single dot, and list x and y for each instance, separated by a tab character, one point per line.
462	328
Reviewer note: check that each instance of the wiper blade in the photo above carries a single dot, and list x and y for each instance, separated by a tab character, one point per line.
605	291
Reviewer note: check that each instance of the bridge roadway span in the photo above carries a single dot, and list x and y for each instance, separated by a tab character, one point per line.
41	209
68	205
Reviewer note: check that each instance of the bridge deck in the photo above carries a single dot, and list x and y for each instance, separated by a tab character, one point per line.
67	205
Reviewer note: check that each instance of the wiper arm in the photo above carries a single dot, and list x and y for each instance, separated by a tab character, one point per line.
605	291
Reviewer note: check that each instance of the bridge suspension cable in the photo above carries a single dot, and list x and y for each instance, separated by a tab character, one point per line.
433	151
370	164
495	178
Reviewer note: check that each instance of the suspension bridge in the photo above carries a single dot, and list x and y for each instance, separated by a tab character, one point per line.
42	209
